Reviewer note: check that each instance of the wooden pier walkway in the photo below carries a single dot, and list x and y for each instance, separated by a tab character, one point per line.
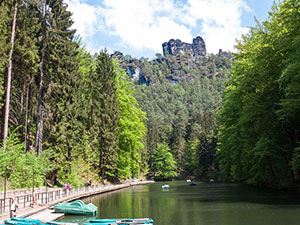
44	201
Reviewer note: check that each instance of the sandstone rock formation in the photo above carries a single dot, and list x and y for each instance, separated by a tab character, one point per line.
174	47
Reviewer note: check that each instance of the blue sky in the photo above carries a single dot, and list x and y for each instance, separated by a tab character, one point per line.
139	27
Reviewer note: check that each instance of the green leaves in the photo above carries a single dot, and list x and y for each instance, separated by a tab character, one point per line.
259	131
108	114
132	129
164	165
20	166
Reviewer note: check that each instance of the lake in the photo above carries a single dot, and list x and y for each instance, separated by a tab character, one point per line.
203	204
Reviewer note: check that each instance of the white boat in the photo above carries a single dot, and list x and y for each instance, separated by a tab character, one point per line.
188	181
165	186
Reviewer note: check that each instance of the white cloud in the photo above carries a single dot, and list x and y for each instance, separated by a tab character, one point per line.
220	21
84	16
146	24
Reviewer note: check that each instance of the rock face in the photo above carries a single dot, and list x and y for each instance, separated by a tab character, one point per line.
174	47
226	54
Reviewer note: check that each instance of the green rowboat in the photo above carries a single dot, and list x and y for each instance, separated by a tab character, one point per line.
77	207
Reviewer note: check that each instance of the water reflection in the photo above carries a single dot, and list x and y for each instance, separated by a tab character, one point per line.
77	218
203	204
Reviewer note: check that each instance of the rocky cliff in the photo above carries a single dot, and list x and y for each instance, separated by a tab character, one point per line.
174	47
181	62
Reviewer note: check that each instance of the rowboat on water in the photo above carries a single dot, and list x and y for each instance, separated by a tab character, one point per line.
28	221
13	222
120	221
165	186
193	183
77	207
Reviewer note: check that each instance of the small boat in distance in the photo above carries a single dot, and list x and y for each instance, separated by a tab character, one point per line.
193	183
164	186
189	181
211	180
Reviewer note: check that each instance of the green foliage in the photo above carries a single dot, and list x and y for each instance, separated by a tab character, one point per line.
132	129
109	116
4	33
164	165
180	114
21	166
92	118
259	132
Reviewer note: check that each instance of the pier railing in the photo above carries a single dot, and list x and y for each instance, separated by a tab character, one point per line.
44	197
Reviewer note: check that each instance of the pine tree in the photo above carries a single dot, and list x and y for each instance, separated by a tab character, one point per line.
8	80
25	72
109	115
61	82
4	48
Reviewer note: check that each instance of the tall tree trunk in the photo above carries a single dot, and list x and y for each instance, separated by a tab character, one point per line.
27	120
39	127
8	84
101	167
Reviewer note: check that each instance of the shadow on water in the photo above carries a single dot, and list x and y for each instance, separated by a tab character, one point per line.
235	193
77	218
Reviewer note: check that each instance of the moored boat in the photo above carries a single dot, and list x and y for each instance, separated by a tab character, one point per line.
165	186
120	221
14	222
193	183
28	221
77	207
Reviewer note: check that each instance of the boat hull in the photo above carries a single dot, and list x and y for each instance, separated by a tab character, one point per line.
76	208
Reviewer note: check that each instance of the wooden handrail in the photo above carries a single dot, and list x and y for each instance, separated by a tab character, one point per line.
43	197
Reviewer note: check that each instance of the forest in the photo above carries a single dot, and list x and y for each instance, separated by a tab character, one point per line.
68	115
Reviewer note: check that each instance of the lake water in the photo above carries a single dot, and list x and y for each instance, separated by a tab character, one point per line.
203	204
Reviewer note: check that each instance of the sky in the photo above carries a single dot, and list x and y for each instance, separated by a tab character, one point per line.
139	27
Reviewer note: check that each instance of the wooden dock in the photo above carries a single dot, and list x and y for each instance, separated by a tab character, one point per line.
47	214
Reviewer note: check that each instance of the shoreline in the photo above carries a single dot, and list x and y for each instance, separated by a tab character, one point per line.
45	211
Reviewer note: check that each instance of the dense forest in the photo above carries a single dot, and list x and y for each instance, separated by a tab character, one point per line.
180	94
260	120
65	111
69	116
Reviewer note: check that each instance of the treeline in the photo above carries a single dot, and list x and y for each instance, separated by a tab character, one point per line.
69	111
260	119
181	98
182	116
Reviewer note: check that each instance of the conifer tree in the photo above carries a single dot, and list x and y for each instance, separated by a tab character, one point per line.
4	34
109	115
25	72
62	81
9	71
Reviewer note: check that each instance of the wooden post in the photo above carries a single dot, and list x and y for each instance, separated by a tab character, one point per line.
46	186
5	183
32	187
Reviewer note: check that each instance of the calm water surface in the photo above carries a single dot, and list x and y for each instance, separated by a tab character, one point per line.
203	204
